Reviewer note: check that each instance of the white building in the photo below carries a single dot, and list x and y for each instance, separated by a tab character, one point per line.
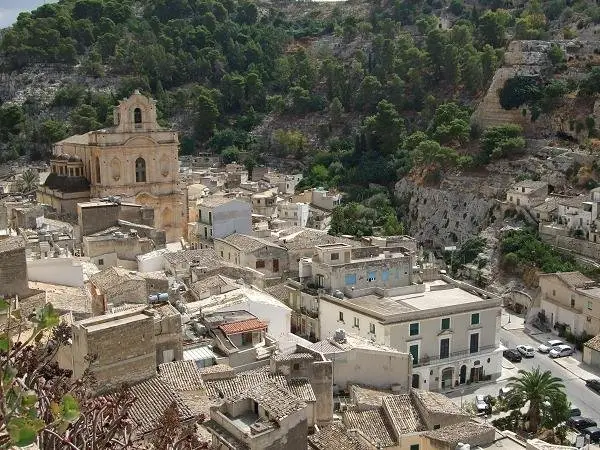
324	199
221	216
527	193
450	332
248	298
293	214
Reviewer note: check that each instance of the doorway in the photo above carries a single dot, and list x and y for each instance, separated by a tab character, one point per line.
463	374
447	375
276	265
416	381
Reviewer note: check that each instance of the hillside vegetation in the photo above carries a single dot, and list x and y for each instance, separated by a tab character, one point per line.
360	93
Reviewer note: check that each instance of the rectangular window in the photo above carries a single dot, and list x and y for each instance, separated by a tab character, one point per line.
372	328
475	319
589	305
414	329
444	348
221	253
335	256
210	218
414	447
101	263
199	215
260	264
553	292
572	302
371	276
356	322
341	317
446	323
474	343
350	279
385	275
414	351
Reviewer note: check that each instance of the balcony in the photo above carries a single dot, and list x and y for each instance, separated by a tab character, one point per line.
453	356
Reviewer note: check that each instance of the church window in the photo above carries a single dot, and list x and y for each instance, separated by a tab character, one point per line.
137	116
140	170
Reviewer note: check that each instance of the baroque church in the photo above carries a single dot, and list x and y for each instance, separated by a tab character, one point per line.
136	160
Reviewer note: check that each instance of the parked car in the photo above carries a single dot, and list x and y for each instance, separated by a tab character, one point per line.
560	350
526	350
481	404
574	411
512	355
545	348
593	434
581	423
594	385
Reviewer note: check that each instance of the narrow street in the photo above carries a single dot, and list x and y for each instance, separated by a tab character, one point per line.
579	395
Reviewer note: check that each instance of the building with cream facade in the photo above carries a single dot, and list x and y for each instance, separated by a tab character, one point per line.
135	160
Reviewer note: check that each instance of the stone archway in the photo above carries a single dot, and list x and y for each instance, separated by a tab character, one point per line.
447	377
463	374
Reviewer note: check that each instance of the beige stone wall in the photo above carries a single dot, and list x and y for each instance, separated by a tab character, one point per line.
13	273
92	219
125	349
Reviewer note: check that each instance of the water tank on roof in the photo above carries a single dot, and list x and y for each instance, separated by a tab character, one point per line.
339	335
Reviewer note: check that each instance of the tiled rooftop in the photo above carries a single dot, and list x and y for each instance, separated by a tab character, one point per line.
594	343
214	281
367	397
294	357
277	401
460	432
214	200
302	389
403	413
437	403
334	436
373	424
66	298
246	243
243	326
573	202
205	257
113	277
308	238
181	375
576	280
279	291
530	184
153	397
11	243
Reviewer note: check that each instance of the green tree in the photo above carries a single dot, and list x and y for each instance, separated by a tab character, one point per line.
205	117
28	182
335	111
501	141
556	55
492	27
369	94
535	387
84	119
12	118
590	85
230	154
392	227
385	129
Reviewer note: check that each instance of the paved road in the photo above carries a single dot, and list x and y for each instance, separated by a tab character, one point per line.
579	395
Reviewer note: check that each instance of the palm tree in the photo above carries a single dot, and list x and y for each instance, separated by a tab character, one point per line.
536	387
28	182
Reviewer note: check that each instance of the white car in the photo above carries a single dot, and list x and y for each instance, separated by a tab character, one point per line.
560	350
526	350
480	404
545	348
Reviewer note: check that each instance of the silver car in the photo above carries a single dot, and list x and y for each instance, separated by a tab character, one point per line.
545	348
560	351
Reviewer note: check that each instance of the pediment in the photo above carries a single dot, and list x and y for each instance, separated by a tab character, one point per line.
140	141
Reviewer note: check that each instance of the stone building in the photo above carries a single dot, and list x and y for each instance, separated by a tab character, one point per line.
527	193
13	267
247	251
135	160
219	217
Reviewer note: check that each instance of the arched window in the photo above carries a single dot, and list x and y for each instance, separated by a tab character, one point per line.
137	116
140	170
97	164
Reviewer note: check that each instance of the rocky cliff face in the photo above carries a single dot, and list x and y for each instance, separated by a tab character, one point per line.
450	214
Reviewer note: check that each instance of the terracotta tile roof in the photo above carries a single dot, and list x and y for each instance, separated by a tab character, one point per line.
302	389
573	202
277	401
217	368
243	326
366	397
308	238
153	397
437	403
326	347
464	432
234	386
11	243
574	279
403	413
205	257
181	375
247	243
372	424
294	357
334	436
594	343
112	277
280	292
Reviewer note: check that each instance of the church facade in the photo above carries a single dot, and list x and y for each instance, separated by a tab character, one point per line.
136	160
